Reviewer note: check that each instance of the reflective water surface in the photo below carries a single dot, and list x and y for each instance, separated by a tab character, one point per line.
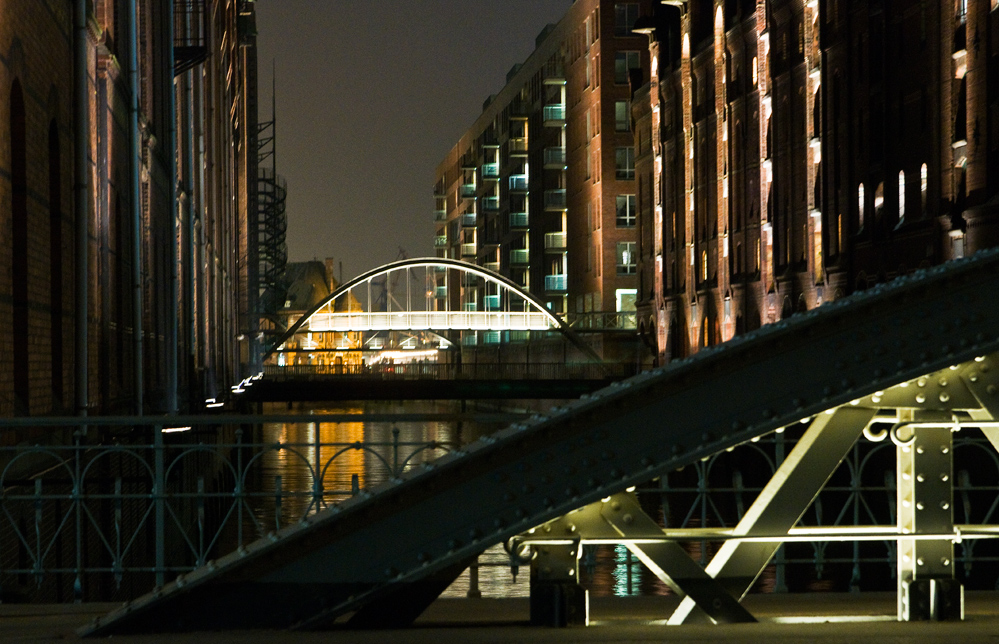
351	456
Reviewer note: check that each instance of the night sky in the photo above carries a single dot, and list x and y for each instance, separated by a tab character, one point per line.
371	95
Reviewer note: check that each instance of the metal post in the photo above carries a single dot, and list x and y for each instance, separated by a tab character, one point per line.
926	585
473	581
159	504
395	452
317	478
78	508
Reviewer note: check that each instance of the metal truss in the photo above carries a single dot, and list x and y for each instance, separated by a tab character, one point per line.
920	345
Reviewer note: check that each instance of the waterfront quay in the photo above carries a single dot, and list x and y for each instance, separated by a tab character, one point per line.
831	618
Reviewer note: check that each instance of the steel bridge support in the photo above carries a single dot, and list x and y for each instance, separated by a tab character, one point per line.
923	344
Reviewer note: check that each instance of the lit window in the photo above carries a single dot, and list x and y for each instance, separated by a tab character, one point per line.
625	15
901	195
624	62
860	205
625	258
622	116
625	211
625	162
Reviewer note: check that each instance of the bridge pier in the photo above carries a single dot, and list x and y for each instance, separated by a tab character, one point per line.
557	598
927	589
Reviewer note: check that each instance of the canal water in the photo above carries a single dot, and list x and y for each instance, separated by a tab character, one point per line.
332	461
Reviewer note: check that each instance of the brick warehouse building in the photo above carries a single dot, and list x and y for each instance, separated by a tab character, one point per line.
541	187
877	154
195	142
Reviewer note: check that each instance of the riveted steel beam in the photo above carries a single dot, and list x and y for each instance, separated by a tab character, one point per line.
437	515
781	504
671	563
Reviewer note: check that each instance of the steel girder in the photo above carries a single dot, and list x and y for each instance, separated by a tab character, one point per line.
402	536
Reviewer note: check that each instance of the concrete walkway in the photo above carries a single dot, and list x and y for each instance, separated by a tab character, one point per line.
824	619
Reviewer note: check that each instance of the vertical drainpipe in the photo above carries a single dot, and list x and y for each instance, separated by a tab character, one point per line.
81	145
133	141
173	311
189	209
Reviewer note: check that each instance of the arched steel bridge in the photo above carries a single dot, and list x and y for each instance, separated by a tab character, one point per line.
502	306
918	355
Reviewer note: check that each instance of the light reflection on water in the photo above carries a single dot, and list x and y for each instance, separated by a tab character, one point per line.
286	479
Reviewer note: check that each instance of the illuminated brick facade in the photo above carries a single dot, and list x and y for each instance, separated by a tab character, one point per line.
541	188
213	110
800	151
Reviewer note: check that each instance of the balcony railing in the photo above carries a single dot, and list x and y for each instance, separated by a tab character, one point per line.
440	292
440	215
490	170
492	266
554	114
518	182
490	203
518	145
555	157
468	220
519	220
440	241
553	74
555	241
555	282
555	199
468	250
520	256
467	190
491	302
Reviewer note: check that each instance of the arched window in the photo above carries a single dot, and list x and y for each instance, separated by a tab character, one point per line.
860	206
19	248
923	181
901	195
55	262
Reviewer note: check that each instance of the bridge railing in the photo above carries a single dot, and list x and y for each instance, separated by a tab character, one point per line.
96	522
442	371
79	521
603	321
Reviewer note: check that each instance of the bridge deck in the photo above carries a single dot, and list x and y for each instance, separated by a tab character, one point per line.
399	544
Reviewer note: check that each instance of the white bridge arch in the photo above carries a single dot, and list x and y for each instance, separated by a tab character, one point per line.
374	301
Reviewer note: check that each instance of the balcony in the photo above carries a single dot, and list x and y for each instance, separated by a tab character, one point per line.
468	250
519	220
468	220
440	241
555	282
490	170
518	146
518	182
440	292
492	266
553	74
555	158
440	215
490	204
555	199
492	302
468	191
554	241
520	256
554	115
